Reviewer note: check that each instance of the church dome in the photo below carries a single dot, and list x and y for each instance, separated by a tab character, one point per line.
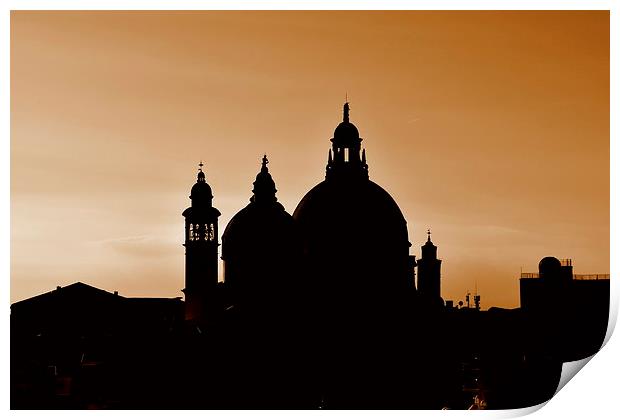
362	209
252	226
346	130
354	235
259	243
262	220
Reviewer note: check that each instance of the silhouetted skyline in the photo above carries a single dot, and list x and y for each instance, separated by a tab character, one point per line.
318	310
490	128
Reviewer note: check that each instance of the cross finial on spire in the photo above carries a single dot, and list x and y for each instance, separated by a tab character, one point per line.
200	165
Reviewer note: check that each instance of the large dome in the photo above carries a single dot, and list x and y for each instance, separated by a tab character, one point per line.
354	232
363	201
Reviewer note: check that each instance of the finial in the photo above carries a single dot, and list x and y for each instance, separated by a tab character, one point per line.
428	231
345	117
201	175
265	162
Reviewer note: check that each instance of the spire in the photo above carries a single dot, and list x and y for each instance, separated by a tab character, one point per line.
345	116
428	232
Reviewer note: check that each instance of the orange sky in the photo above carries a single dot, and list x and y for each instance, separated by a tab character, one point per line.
492	128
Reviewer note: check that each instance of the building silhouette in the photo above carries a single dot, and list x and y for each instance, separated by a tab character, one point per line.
82	347
318	309
566	312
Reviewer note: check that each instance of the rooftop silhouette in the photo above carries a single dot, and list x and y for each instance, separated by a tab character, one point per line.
324	308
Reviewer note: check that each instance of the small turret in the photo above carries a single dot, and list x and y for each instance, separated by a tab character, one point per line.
264	187
346	148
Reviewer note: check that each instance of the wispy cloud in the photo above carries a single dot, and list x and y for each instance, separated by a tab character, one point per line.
139	246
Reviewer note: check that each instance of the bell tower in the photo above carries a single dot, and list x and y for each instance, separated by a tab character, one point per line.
429	272
201	251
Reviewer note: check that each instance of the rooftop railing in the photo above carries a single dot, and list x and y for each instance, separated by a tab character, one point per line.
575	276
590	276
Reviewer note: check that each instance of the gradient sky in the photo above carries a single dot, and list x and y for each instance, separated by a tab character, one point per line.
491	128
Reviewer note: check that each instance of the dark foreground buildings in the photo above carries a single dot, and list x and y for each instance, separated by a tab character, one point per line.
318	309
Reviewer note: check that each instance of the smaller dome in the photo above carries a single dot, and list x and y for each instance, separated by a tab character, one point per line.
346	130
549	267
201	194
201	190
250	222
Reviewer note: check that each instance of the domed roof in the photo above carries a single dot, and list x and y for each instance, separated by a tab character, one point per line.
346	133
361	202
201	194
252	217
549	267
344	205
201	190
354	236
261	221
346	130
